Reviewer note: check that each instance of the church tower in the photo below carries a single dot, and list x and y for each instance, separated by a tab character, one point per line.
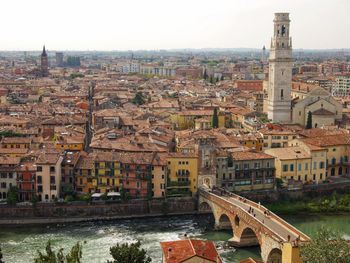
44	63
280	71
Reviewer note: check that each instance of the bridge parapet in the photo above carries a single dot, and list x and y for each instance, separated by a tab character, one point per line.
301	235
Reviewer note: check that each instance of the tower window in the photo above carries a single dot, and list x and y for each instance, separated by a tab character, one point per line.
283	30
282	94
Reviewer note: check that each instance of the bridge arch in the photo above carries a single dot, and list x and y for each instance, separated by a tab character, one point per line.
275	256
224	222
248	237
205	207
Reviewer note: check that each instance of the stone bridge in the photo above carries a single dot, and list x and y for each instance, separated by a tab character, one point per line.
253	225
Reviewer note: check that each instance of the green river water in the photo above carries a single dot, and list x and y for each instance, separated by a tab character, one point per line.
19	244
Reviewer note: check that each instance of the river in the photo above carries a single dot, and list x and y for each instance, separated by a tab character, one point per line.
19	244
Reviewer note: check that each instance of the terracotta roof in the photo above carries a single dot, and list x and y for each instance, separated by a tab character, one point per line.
240	156
331	140
289	153
182	250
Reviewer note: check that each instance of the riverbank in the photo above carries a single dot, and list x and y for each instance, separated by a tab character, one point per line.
68	213
325	205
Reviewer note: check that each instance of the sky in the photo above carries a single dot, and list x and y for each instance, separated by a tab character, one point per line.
169	24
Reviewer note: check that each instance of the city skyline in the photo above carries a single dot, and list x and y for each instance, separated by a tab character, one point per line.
85	25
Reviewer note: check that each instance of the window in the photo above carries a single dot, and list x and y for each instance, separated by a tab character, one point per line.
285	168
52	180
321	165
306	166
315	165
291	167
282	94
40	179
39	168
334	160
52	169
299	167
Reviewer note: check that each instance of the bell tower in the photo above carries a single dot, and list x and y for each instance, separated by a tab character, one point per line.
280	71
44	63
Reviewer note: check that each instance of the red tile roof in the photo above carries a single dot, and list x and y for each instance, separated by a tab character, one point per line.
181	250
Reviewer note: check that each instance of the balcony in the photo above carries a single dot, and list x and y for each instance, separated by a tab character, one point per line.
172	184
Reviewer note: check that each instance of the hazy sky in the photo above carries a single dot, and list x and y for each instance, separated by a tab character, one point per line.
166	24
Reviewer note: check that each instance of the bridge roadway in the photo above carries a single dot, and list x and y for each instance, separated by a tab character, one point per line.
276	224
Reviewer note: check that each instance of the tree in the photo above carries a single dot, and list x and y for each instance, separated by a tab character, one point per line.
12	195
74	256
138	99
327	246
1	261
309	120
129	253
215	121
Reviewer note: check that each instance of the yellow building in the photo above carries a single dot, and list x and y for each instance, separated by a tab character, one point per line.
83	175
16	142
182	174
106	172
299	164
159	175
251	141
337	150
186	119
70	143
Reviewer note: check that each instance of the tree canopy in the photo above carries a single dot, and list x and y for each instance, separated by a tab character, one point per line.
12	195
138	99
327	246
74	256
131	253
309	120
215	121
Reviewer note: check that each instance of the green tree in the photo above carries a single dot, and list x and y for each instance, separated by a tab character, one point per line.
215	120
129	253
12	195
1	260
309	120
327	246
138	99
74	256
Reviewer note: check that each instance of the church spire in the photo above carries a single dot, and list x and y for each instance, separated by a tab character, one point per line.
44	51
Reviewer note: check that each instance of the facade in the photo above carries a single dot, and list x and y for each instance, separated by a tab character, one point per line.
280	71
300	164
8	174
49	175
182	174
159	176
341	86
26	181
